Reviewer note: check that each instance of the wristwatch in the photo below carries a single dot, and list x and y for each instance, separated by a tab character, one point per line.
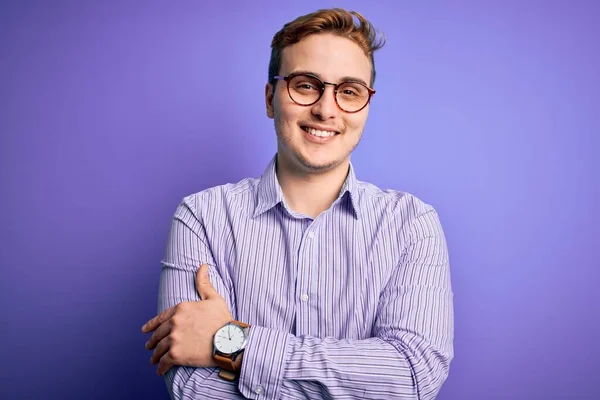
229	342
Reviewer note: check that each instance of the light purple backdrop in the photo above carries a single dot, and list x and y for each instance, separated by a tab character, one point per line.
110	114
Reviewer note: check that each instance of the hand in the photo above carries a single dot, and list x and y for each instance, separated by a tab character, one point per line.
183	334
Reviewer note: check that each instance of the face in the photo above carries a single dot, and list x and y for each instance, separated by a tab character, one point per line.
332	59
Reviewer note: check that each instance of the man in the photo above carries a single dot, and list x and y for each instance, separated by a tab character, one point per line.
312	283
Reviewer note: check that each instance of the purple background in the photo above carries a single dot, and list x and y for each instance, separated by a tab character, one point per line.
110	114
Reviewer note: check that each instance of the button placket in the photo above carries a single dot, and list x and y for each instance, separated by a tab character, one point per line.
305	262
310	237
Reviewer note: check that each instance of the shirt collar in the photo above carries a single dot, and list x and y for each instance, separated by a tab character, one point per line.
270	193
350	186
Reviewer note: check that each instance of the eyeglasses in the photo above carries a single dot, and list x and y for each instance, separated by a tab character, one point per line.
307	89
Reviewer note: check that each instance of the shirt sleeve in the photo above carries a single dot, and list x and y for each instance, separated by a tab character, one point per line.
408	356
187	249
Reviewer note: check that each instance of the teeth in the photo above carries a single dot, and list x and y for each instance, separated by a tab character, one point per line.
319	133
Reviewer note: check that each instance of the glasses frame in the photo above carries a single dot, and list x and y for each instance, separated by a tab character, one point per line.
336	86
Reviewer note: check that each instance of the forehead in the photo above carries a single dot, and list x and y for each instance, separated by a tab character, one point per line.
329	56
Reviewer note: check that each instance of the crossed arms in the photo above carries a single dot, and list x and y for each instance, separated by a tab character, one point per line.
407	357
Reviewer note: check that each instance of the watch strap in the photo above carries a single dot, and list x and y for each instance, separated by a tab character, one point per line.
228	376
227	364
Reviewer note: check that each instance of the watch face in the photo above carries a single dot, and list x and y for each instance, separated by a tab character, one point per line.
230	339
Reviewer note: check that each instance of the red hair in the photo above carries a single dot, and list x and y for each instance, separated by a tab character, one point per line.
337	21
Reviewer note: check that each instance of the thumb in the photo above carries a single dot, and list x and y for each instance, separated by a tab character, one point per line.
203	286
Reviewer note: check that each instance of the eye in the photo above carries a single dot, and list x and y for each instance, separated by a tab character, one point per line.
351	90
306	86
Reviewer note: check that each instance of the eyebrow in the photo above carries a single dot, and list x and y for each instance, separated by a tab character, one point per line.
343	79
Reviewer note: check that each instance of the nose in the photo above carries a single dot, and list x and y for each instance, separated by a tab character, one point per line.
326	107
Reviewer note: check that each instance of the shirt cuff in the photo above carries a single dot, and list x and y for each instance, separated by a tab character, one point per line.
265	355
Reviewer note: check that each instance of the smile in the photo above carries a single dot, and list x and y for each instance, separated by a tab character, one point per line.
319	133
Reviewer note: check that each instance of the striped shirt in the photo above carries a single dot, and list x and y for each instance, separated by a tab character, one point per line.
353	304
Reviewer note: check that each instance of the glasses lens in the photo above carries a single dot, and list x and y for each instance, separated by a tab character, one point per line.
305	89
352	96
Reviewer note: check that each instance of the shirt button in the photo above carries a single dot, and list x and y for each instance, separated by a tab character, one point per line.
304	297
311	235
258	389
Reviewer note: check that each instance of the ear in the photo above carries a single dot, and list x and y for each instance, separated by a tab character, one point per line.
269	96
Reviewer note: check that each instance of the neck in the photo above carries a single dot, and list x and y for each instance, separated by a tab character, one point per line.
310	193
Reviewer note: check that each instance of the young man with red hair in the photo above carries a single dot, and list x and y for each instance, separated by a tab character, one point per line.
306	282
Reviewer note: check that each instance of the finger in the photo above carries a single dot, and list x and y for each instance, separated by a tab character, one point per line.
203	286
159	319
162	348
165	364
153	323
159	334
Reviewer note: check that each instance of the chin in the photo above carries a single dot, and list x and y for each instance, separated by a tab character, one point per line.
318	165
